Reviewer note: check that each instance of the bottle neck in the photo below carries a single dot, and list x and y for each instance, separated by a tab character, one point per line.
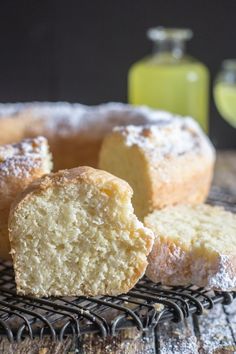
170	47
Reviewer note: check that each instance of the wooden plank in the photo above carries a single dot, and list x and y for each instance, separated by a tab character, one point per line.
213	332
37	346
230	311
125	342
177	338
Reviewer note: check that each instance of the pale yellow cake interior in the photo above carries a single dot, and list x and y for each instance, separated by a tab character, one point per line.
78	239
199	226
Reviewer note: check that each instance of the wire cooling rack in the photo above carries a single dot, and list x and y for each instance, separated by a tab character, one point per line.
146	305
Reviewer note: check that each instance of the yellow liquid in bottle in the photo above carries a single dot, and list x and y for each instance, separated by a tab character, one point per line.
225	98
179	86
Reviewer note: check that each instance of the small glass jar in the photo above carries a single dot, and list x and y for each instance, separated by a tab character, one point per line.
225	91
169	79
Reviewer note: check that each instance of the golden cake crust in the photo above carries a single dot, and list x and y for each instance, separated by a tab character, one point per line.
81	174
174	159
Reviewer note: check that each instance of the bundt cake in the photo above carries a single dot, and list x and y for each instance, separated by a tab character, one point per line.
167	163
193	245
74	233
20	164
74	131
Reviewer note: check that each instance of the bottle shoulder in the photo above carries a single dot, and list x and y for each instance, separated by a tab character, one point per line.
169	61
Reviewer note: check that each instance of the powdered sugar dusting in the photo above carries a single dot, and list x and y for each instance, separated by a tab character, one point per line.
169	136
224	277
180	345
20	159
173	266
218	274
63	118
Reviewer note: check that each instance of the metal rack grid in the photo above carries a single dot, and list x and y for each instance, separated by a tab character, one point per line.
146	305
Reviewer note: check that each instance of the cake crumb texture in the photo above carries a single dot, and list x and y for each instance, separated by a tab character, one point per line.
74	233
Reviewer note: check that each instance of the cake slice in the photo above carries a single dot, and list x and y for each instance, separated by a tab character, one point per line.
193	245
166	163
74	233
20	164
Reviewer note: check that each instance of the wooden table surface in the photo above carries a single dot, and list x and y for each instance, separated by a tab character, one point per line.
225	171
214	332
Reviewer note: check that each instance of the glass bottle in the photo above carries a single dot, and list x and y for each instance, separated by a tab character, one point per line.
169	79
225	91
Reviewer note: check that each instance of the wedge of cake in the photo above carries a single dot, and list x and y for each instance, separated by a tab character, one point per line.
74	233
166	163
193	245
20	164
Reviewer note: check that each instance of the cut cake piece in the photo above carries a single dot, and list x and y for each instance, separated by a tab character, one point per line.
20	164
166	163
193	245
74	233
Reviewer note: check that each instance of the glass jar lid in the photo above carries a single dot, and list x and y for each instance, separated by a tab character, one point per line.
165	33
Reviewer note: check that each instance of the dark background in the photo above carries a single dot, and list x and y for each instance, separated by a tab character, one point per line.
81	51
